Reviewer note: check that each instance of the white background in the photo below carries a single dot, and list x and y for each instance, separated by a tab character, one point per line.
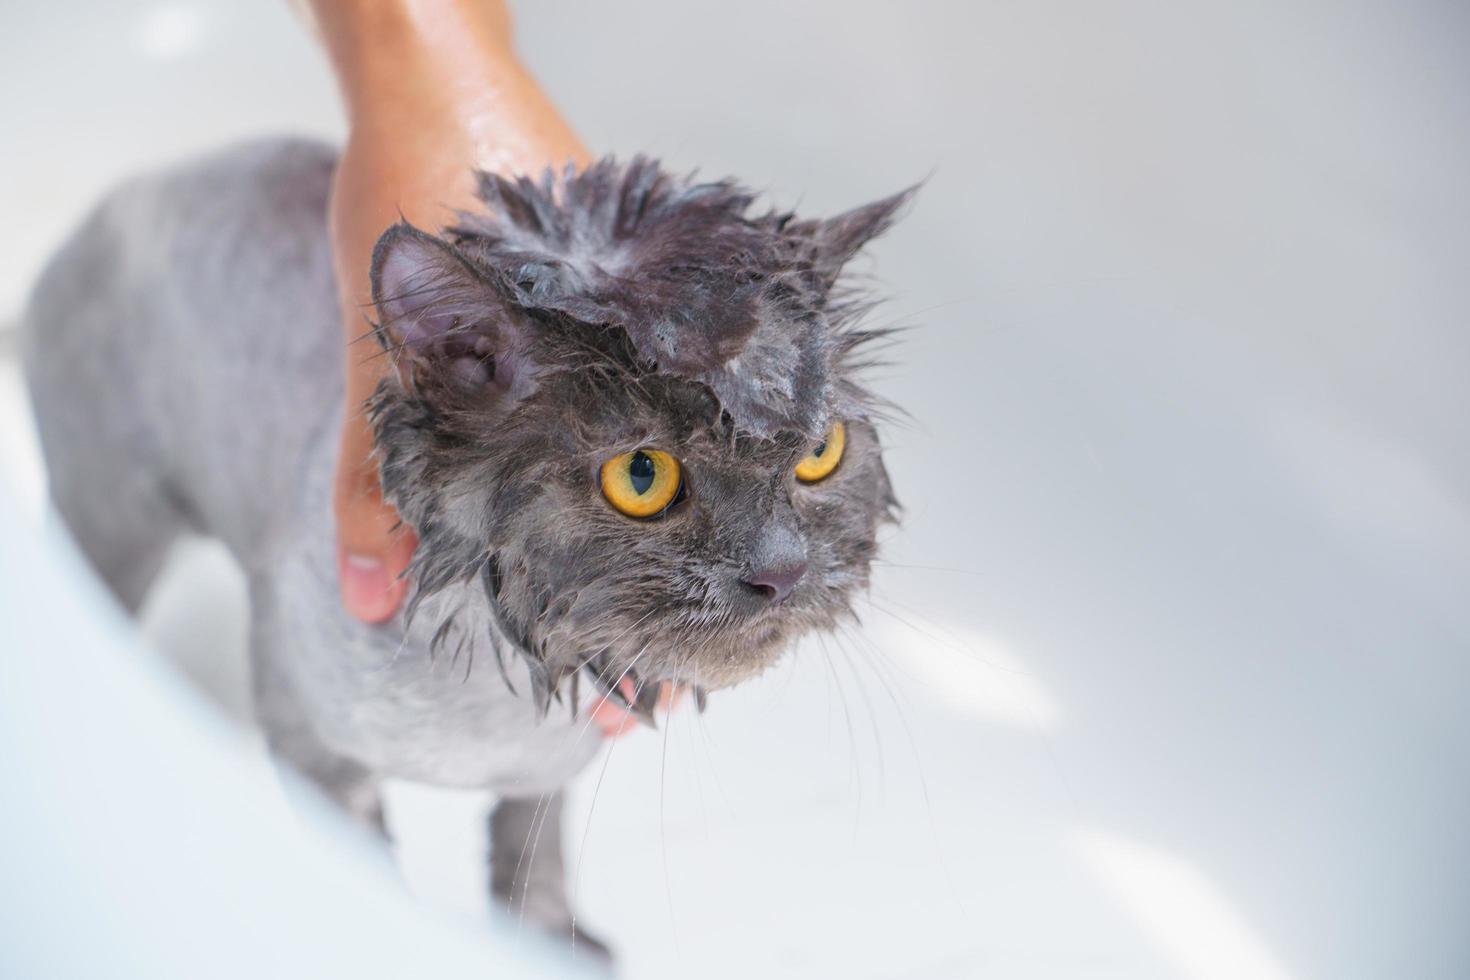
1176	628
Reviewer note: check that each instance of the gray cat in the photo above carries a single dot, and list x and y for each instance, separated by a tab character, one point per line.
623	419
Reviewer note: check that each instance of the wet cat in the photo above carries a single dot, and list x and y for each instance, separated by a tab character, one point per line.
624	419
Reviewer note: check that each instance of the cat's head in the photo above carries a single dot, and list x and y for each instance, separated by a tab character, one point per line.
628	409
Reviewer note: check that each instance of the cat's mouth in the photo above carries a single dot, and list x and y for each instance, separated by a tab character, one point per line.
723	660
629	657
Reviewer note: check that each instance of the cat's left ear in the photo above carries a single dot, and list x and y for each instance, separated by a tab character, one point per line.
445	322
836	240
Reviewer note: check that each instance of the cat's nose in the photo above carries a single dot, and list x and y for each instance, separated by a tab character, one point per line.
776	582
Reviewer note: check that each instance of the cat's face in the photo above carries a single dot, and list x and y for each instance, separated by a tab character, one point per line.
627	409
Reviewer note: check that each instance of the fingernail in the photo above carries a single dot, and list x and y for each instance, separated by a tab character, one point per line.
367	590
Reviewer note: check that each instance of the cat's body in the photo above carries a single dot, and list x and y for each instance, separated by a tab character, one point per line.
171	397
185	361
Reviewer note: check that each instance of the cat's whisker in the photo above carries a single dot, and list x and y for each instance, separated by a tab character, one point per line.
879	658
949	642
884	563
591	717
698	779
614	641
872	716
705	742
663	837
854	769
586	831
515	877
539	826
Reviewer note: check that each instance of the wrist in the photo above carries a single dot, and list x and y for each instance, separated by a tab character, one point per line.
387	52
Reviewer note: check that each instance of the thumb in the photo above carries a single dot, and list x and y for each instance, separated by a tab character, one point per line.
373	548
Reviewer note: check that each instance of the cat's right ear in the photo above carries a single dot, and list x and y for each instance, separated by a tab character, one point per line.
835	241
447	327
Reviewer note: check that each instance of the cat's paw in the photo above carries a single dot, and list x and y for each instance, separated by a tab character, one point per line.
588	948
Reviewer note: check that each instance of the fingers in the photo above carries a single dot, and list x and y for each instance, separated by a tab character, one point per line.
439	107
614	720
373	548
373	586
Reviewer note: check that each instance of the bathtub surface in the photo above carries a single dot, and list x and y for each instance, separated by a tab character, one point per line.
1165	674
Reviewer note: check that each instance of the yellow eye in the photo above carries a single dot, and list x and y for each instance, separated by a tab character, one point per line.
641	483
820	462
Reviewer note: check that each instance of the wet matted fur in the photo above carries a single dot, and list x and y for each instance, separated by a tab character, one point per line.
184	356
606	310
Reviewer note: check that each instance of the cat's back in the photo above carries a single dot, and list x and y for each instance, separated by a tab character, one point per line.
188	332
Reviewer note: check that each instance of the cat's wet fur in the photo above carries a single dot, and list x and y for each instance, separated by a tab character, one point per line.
184	355
603	311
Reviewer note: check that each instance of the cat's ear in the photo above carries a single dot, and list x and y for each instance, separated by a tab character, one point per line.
444	322
836	240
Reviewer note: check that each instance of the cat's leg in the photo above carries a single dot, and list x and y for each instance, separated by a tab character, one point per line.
352	786
528	869
80	341
292	737
125	531
106	487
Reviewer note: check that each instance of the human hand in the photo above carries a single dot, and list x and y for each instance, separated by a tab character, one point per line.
613	719
433	90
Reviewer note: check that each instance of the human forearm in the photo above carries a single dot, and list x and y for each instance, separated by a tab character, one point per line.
413	71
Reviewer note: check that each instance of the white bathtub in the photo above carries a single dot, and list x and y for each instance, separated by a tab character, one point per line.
1176	629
